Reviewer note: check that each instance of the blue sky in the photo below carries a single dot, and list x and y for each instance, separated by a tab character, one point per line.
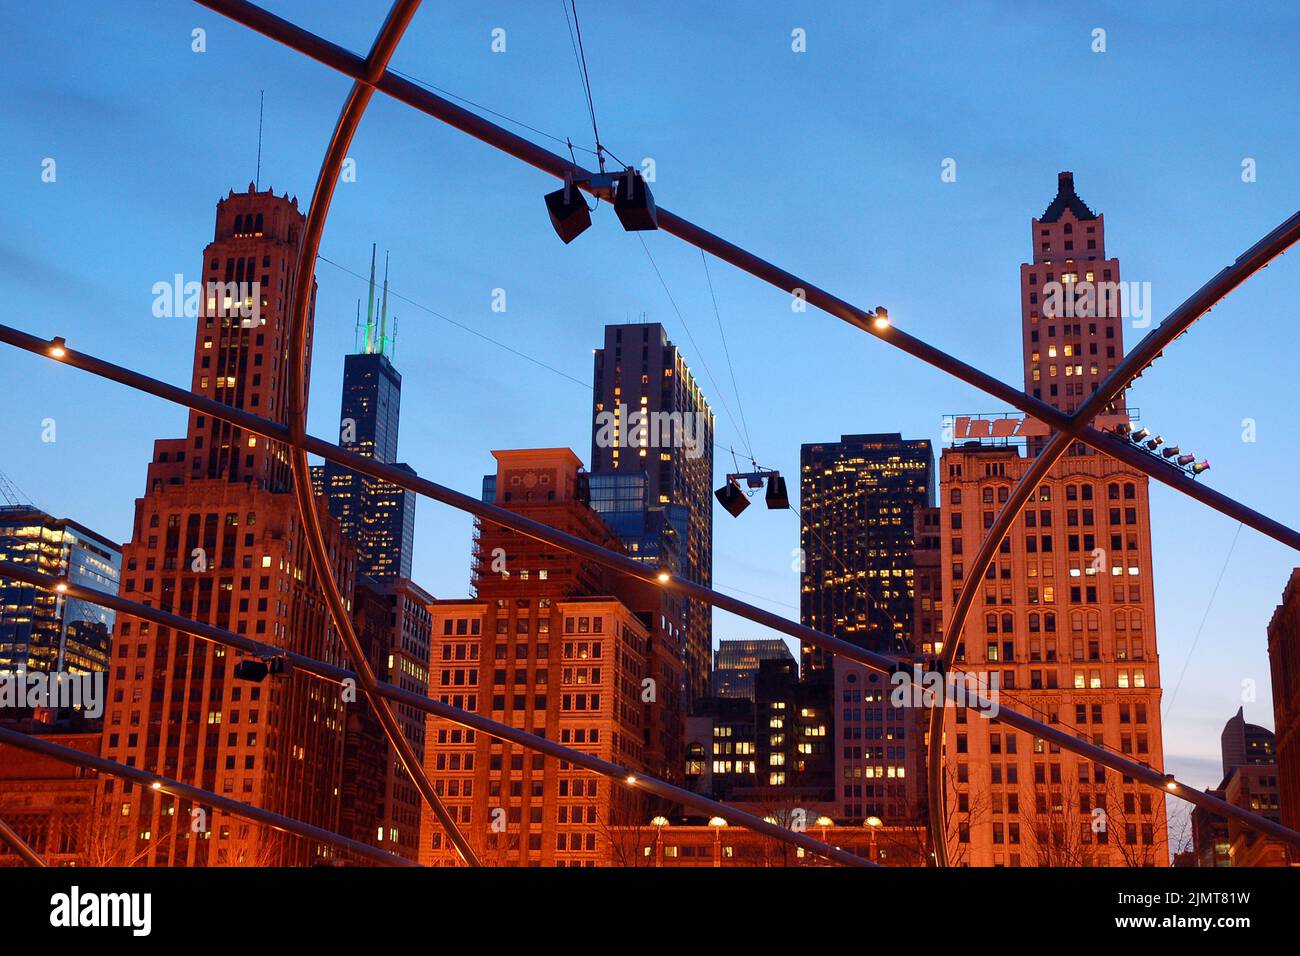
827	162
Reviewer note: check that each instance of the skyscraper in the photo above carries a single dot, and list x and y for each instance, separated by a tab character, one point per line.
736	664
216	538
1064	619
859	498
43	630
1250	781
378	517
650	419
1070	304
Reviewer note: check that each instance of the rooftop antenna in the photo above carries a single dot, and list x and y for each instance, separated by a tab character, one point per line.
261	103
370	305
356	328
383	312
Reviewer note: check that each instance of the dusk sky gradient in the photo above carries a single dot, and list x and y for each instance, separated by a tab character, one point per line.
825	162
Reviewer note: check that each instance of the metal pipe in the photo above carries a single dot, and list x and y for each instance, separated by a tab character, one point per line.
196	795
337	674
1025	487
20	846
494	513
1272	245
300	320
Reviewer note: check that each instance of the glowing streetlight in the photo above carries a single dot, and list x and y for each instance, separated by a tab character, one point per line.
872	824
717	823
658	823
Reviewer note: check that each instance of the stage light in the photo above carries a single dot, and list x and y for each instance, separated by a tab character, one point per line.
664	577
1186	460
1171	451
777	496
1200	467
882	317
633	203
1139	435
732	498
570	216
1155	443
56	349
1123	428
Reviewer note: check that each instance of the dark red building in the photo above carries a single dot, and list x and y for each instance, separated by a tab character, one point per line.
216	537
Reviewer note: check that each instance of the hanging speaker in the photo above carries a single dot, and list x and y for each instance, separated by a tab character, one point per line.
570	216
732	498
777	496
633	203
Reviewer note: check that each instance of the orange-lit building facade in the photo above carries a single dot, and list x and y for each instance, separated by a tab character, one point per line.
556	645
50	803
1065	616
700	844
1284	664
216	538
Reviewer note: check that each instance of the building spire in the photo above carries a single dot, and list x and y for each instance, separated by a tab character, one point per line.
383	312
370	304
261	103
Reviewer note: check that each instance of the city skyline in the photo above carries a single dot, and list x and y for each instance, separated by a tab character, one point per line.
751	554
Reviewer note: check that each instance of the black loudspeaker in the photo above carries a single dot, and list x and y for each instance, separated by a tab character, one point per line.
732	498
777	497
570	216
633	203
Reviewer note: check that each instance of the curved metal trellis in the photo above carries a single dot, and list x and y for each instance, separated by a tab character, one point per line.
1065	428
371	74
619	562
335	673
300	306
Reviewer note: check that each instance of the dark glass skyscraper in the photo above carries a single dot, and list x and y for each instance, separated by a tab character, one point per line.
736	664
859	497
379	517
652	439
42	630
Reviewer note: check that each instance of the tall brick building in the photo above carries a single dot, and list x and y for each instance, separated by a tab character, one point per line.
559	646
1065	616
216	537
1284	663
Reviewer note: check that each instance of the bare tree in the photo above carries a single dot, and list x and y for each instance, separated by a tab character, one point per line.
1052	825
624	829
